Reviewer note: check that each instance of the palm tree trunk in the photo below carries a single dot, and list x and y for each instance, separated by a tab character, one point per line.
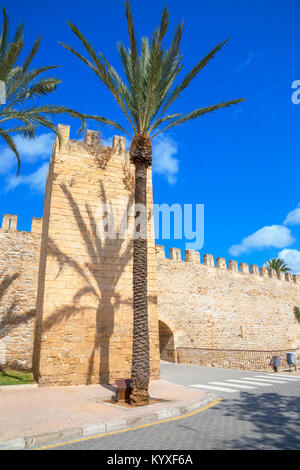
140	372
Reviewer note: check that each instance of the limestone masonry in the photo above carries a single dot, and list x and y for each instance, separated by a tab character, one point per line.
69	287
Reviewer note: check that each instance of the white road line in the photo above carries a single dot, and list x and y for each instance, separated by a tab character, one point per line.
248	387
271	381
281	377
294	377
251	383
211	387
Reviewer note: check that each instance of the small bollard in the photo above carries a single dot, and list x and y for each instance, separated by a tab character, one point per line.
124	390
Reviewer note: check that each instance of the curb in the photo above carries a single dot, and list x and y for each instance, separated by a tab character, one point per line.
18	387
38	440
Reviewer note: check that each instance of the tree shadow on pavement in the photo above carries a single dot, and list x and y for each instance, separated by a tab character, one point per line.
271	419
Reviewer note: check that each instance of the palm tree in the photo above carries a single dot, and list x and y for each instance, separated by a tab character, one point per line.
19	85
278	264
145	96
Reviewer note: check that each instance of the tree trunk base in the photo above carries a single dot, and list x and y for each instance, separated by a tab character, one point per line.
139	396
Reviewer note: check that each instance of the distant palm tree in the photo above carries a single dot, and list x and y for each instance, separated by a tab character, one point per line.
145	98
278	264
19	86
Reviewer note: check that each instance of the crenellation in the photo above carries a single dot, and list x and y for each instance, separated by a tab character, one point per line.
289	277
160	251
296	278
208	260
36	225
192	256
244	268
232	265
9	222
221	263
254	269
281	276
175	254
119	144
264	272
272	273
91	137
64	132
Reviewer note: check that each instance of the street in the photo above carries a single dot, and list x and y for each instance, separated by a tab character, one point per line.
258	411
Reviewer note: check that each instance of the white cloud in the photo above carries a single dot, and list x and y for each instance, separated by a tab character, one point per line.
276	236
30	150
164	163
36	180
292	259
293	217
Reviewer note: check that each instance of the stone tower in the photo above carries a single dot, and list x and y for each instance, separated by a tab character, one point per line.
83	331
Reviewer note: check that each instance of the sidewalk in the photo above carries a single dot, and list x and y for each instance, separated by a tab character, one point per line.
35	416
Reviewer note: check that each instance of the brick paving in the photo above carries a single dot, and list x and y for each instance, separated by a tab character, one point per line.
261	419
26	413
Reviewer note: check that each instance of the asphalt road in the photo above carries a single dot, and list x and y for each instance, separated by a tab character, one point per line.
264	413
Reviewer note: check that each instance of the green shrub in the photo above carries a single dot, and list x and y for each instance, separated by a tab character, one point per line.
297	313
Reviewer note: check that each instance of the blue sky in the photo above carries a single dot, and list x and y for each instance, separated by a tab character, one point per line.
242	163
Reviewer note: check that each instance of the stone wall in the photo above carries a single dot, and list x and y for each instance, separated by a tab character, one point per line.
84	308
234	358
19	255
212	309
214	315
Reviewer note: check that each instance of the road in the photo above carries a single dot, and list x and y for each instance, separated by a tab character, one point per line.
258	411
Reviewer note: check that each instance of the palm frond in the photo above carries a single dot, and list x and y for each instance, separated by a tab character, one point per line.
198	113
148	89
32	54
22	85
191	75
4	34
101	68
11	144
106	121
278	264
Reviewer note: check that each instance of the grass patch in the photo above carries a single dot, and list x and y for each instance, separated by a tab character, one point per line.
15	377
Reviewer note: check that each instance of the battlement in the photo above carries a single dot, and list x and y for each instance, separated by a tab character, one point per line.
91	139
192	256
9	223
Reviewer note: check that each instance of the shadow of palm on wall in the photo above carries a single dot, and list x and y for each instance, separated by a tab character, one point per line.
95	277
11	319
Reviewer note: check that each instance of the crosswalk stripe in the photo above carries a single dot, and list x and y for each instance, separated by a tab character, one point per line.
251	382
211	387
271	381
248	387
294	377
281	377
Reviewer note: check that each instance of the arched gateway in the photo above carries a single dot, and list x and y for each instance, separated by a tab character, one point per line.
166	343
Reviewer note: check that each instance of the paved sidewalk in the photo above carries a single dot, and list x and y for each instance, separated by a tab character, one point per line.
32	417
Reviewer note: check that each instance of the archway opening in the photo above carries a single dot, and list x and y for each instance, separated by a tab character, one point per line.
166	343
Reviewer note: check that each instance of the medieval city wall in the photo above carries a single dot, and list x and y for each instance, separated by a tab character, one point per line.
225	316
84	321
19	258
73	285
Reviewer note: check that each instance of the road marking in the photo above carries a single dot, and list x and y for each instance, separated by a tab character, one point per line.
211	387
281	377
297	377
232	385
252	383
271	381
192	413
